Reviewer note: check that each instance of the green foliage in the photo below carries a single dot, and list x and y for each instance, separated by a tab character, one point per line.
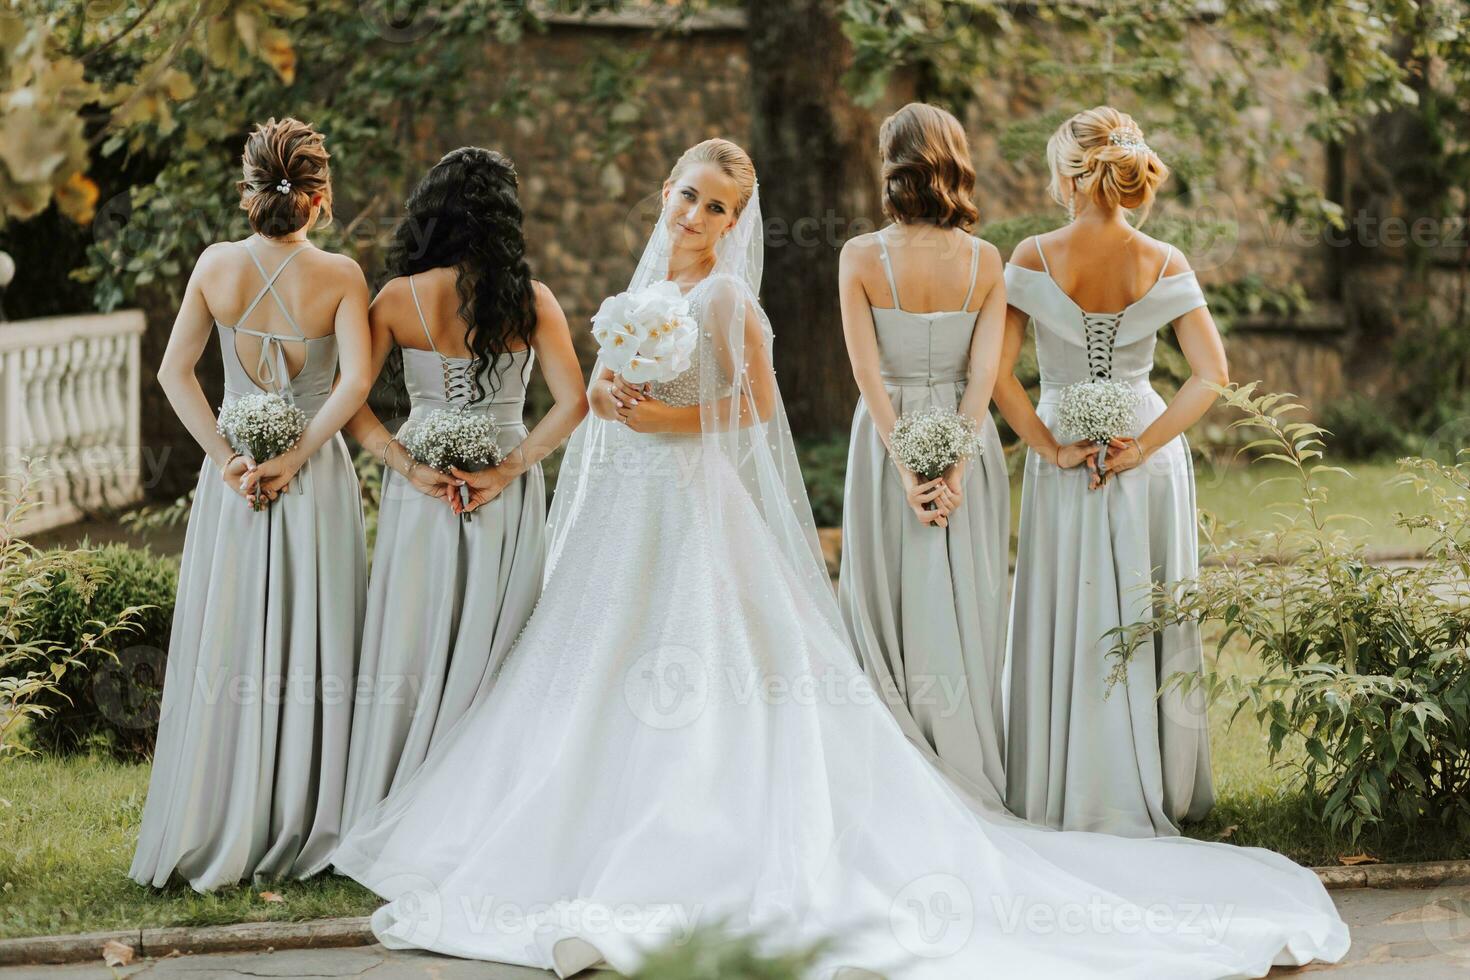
824	469
1366	663
136	62
113	701
1364	428
38	668
711	953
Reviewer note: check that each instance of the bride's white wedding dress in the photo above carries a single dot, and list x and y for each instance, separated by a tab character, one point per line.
682	737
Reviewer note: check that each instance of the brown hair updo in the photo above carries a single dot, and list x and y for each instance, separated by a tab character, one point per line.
927	173
284	165
1103	150
733	162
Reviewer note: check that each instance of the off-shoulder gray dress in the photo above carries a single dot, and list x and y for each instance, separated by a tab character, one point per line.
925	606
1124	762
447	597
257	698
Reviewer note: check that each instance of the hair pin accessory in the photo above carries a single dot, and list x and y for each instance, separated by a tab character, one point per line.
284	187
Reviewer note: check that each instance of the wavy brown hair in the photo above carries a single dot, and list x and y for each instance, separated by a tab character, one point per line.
284	153
927	174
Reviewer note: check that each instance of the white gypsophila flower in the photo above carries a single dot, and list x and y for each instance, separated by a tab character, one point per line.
454	437
262	425
648	335
931	441
1097	410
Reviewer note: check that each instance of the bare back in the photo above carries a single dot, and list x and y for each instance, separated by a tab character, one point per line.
933	269
300	304
1103	269
434	294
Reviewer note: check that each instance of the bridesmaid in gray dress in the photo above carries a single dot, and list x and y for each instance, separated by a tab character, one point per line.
448	597
922	592
1080	757
252	738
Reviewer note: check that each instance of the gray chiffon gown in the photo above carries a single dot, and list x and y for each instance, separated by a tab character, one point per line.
925	606
1081	757
251	754
447	597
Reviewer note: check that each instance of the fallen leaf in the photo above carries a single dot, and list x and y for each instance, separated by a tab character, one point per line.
1354	859
115	953
272	897
1228	832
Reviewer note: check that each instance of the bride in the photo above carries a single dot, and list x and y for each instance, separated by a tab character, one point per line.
682	737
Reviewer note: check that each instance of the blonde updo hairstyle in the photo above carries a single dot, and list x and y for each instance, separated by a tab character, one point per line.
927	174
732	161
1111	171
284	165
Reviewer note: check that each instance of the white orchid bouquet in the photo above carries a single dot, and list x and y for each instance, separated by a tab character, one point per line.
454	438
931	441
648	335
262	426
1098	410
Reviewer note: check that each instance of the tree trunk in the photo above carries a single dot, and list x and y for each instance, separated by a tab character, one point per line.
816	152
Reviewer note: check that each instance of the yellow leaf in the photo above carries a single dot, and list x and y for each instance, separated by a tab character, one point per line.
77	198
115	953
1354	859
276	49
272	897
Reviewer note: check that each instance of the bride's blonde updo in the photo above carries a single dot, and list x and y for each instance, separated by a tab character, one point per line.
733	162
1104	151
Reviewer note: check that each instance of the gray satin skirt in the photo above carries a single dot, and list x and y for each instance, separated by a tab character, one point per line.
446	602
251	756
1124	761
925	606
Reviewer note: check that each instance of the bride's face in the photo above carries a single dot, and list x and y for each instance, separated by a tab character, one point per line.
701	207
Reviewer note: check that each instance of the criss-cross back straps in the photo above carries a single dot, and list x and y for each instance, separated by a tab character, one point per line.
974	271
270	366
459	385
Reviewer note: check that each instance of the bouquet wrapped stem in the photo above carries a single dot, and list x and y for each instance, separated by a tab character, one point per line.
929	442
263	426
455	438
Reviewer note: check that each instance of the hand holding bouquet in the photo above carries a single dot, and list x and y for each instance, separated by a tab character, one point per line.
1098	411
262	426
649	335
451	438
928	443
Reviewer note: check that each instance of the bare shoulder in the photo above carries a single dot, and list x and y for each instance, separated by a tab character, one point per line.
339	268
548	308
990	260
1028	255
860	250
1175	259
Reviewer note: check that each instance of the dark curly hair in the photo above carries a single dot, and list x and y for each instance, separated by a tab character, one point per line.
464	214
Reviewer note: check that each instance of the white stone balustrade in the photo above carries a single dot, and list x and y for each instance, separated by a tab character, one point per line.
69	403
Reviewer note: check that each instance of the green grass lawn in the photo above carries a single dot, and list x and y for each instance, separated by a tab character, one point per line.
67	831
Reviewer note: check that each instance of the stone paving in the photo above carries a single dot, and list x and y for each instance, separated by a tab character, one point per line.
1398	934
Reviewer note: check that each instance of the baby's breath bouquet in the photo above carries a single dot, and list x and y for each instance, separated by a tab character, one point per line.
454	437
931	441
262	426
1098	410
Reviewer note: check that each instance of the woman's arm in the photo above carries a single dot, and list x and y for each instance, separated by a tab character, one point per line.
365	426
861	335
988	341
354	381
186	343
1200	342
552	342
1010	395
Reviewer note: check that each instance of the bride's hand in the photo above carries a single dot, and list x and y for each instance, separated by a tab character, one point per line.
645	414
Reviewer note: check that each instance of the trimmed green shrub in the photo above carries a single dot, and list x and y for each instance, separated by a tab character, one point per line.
824	468
109	702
